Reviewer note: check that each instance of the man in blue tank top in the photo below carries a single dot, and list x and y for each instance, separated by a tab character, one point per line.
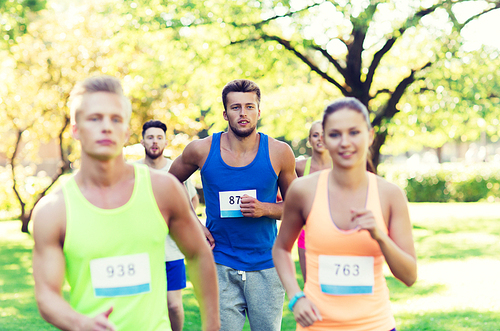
241	171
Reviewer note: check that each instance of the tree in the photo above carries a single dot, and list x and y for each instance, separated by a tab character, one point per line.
15	17
372	50
457	103
361	48
202	37
39	71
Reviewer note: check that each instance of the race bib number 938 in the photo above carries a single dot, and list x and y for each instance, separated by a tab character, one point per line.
121	275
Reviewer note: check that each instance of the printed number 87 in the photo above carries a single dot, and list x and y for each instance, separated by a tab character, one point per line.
233	198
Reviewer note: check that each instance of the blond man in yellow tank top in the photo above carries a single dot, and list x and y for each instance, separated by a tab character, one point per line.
106	185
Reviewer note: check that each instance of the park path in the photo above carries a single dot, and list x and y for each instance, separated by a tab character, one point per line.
422	211
470	284
467	285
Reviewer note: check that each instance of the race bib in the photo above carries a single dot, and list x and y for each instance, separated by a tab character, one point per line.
346	275
121	275
230	202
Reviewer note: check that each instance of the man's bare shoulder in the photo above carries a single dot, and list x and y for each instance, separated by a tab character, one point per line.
197	149
52	203
168	192
164	184
280	147
200	145
49	215
159	175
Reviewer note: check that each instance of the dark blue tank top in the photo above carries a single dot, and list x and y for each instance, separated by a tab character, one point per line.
241	243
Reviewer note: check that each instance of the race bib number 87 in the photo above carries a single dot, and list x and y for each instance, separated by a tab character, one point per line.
230	202
121	275
346	275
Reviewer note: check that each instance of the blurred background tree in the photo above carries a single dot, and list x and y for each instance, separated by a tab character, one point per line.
15	15
406	60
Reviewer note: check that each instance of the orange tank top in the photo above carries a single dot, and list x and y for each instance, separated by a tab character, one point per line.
344	268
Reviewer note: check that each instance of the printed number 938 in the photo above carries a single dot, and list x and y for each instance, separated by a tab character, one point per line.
120	270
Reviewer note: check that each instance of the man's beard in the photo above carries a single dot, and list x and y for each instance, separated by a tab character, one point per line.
153	156
242	133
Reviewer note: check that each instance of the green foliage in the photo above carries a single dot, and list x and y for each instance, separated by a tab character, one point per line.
64	46
458	320
423	188
459	102
446	182
15	15
174	57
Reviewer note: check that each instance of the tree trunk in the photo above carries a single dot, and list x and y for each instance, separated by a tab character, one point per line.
379	140
25	219
439	153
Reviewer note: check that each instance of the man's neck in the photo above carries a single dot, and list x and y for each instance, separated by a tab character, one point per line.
101	172
158	163
241	144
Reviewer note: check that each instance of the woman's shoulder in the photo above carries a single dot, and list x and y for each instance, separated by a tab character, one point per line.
387	187
307	183
390	194
301	193
300	165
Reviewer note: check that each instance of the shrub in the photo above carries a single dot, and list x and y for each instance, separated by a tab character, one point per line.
446	182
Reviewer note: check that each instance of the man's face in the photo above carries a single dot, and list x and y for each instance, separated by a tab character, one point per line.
242	113
101	125
154	142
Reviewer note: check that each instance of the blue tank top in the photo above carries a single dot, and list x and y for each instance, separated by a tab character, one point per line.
241	243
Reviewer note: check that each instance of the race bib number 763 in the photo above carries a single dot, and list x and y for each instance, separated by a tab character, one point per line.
346	275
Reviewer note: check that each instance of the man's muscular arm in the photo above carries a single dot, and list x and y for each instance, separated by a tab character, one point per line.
192	158
49	266
187	233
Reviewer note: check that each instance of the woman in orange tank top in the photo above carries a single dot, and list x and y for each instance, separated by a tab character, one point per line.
356	221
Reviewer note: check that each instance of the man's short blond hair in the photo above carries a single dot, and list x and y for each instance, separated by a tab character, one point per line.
92	85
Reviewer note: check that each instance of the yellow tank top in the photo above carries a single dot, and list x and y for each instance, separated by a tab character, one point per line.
307	168
344	268
115	257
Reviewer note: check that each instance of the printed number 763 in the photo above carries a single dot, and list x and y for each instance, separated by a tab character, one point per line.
346	269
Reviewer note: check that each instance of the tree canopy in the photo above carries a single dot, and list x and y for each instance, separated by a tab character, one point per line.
15	17
405	60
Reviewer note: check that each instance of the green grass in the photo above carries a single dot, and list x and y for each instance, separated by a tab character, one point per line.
457	288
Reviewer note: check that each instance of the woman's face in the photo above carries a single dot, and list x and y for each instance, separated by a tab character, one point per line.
315	138
347	138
